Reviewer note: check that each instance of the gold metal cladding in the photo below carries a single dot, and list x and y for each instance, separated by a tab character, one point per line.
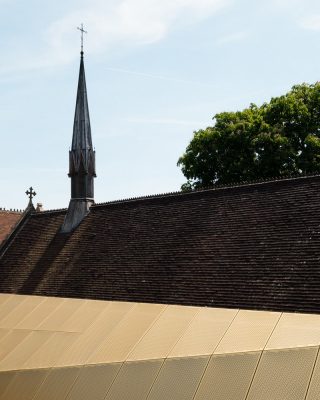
249	331
57	384
179	378
25	307
93	382
295	330
24	385
36	317
24	350
126	334
136	378
69	349
314	388
228	376
164	334
204	333
283	374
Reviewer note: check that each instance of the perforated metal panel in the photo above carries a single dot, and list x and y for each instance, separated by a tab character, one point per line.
249	331
204	333
283	374
126	334
40	313
3	333
6	378
228	377
46	356
25	307
295	330
134	380
10	341
16	358
84	316
10	304
24	385
94	382
60	315
178	378
57	384
4	297
164	334
314	388
92	338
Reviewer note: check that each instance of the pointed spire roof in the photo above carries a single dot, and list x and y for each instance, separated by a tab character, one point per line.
81	128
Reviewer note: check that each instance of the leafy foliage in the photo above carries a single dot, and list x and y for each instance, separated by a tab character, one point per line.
280	138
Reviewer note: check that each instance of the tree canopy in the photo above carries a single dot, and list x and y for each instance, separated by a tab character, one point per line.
280	138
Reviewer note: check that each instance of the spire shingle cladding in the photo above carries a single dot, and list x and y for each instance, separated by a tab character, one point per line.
81	159
253	246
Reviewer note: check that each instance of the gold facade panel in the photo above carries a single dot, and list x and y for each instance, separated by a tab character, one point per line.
295	330
24	350
46	356
24	385
84	316
40	313
6	377
11	341
57	384
60	315
23	309
88	342
93	382
283	374
314	388
126	334
164	334
134	380
249	331
10	304
204	333
4	297
3	334
179	379
228	377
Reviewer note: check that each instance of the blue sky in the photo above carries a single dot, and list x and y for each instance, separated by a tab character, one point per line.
156	71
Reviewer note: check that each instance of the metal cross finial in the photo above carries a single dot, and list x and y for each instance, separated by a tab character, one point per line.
30	193
82	32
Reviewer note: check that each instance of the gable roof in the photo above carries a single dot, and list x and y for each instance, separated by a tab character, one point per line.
254	246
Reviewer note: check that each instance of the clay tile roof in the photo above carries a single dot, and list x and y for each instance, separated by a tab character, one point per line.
8	220
253	246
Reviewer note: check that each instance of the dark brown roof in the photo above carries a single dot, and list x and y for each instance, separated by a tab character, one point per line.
8	220
252	246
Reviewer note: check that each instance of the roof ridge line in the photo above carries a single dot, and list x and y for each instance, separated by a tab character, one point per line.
209	188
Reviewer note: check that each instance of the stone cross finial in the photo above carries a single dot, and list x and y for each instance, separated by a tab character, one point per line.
31	193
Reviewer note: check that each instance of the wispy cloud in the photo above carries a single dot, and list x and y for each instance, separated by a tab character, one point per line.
232	38
160	77
117	24
163	121
311	23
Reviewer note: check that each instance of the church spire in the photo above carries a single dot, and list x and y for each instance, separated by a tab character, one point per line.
81	156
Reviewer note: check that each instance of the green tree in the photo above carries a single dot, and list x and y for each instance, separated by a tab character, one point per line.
279	138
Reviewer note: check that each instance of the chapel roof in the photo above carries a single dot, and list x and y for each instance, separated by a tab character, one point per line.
252	246
8	220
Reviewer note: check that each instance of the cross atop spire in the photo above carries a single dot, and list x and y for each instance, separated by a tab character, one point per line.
82	32
31	193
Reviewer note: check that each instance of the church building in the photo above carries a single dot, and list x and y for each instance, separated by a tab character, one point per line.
200	295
